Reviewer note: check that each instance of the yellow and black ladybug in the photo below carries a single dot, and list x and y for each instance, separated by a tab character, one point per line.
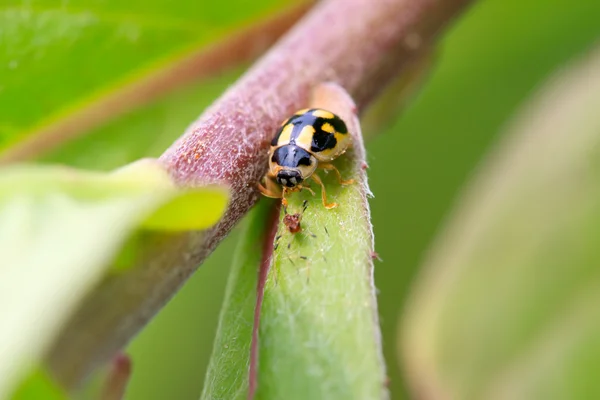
310	139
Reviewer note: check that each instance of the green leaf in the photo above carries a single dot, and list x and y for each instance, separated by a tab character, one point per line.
227	376
319	337
39	385
68	56
507	305
145	132
60	229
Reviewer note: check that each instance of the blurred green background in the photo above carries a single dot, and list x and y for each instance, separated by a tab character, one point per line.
490	62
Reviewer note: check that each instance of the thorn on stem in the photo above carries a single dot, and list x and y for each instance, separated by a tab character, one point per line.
375	256
117	378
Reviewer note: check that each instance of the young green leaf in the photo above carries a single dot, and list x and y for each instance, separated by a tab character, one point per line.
319	332
507	307
227	375
319	336
60	229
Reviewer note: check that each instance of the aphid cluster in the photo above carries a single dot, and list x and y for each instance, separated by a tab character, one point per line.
310	139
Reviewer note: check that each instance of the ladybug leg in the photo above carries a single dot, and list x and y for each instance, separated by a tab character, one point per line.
328	206
283	199
331	167
271	189
303	187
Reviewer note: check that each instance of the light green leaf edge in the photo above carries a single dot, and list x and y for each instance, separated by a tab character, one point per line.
59	230
319	332
507	306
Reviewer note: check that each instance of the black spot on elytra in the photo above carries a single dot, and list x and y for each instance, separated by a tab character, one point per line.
338	124
321	140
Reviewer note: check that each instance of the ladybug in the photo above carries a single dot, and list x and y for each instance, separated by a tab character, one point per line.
308	140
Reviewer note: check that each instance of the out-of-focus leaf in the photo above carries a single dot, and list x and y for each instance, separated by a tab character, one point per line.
145	132
227	376
39	385
57	57
507	305
59	230
490	62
